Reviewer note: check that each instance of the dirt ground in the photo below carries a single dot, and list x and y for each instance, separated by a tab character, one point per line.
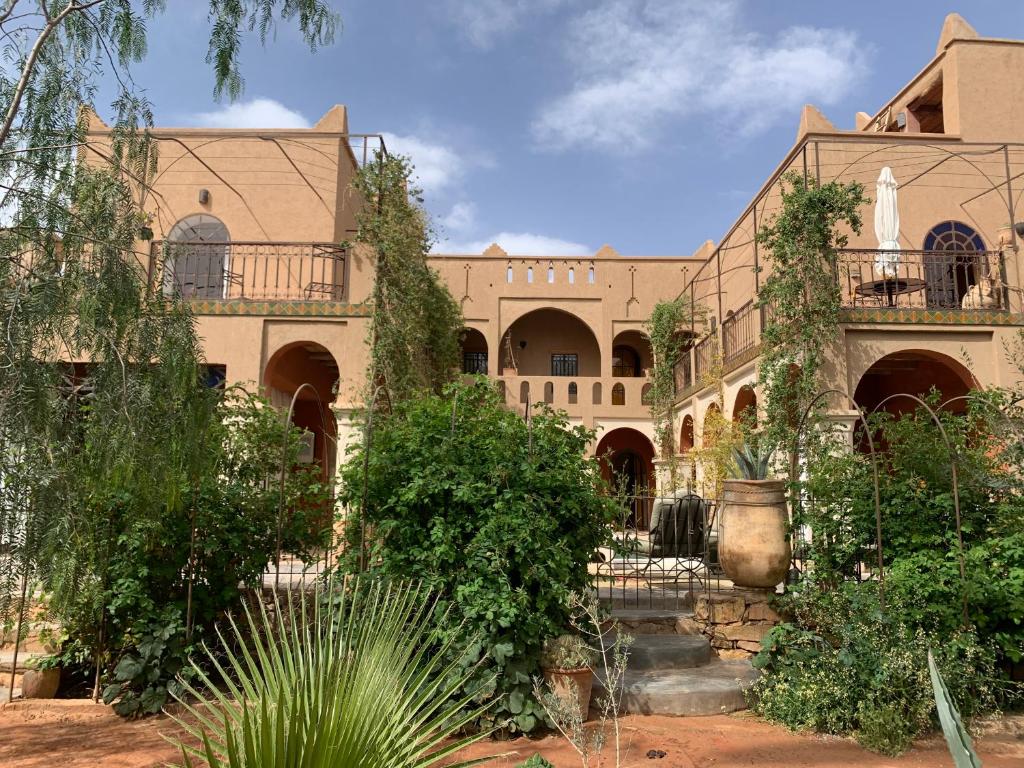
77	734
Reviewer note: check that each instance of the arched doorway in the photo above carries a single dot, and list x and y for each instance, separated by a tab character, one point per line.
551	342
915	372
686	435
631	354
627	464
306	362
197	258
744	411
474	351
953	263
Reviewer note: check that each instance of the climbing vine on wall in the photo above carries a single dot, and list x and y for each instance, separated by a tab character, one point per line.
667	328
414	343
801	294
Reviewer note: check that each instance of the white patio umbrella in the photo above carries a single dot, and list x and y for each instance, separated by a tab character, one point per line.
887	224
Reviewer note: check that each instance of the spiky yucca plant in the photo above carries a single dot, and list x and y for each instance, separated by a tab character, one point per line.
750	461
343	677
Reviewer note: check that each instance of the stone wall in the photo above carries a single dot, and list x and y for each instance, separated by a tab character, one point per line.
735	621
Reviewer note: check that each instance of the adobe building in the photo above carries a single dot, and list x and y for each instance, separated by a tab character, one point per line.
255	219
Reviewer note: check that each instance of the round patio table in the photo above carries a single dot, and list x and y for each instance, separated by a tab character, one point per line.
890	288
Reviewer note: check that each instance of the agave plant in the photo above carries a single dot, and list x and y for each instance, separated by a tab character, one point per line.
342	677
751	460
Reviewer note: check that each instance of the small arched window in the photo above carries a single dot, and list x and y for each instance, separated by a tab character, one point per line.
549	392
618	395
551	274
645	394
572	276
529	274
573	393
524	392
597	393
508	274
591	276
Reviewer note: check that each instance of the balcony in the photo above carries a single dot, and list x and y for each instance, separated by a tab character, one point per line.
256	271
921	280
577	395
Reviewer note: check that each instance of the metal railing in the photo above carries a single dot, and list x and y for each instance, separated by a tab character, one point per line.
740	332
664	552
250	271
704	355
921	279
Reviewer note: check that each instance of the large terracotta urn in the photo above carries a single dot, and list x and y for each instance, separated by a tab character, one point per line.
753	533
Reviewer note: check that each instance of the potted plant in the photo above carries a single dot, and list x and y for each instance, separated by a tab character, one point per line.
567	663
753	540
42	678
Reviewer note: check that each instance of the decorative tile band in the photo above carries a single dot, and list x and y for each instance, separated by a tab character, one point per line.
281	308
932	316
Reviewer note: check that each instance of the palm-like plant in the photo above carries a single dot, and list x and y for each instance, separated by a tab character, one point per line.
342	677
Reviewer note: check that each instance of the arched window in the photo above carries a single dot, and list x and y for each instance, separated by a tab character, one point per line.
953	236
529	274
591	276
508	274
549	392
572	276
573	393
953	263
198	258
597	393
524	392
618	395
551	274
645	394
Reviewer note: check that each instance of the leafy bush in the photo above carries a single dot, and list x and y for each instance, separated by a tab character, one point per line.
845	666
499	517
567	652
212	543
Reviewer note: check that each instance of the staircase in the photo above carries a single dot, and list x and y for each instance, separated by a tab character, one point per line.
672	669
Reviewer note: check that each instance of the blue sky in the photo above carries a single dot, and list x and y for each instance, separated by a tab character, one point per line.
555	126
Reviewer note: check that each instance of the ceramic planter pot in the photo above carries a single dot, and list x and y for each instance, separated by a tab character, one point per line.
753	539
570	684
40	683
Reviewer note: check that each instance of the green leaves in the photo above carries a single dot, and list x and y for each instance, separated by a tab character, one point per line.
800	293
500	531
345	676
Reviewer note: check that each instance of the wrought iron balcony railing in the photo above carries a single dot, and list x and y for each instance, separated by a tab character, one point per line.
932	280
740	331
259	271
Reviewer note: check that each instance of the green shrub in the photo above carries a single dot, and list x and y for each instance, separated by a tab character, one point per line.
497	516
845	666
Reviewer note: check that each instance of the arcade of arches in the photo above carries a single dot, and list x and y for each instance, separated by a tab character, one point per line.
913	372
307	362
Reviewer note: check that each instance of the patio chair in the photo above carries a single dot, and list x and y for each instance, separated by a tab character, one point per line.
677	527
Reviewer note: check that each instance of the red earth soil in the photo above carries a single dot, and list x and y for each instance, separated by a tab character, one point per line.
77	734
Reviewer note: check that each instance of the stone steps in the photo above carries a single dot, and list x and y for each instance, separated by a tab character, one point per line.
672	668
666	652
711	689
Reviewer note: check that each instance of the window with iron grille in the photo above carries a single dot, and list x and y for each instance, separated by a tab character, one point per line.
474	362
565	364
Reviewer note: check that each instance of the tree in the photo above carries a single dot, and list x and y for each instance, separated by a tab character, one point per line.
80	443
414	334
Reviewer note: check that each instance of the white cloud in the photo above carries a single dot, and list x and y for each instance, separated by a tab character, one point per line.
482	22
518	244
461	218
641	64
437	166
256	113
